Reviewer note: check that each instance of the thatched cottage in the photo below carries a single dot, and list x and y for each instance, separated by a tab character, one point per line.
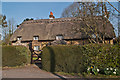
39	33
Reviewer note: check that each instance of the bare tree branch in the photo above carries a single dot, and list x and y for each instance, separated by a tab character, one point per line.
113	6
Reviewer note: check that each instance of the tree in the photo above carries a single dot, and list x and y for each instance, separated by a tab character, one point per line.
8	28
0	25
11	25
115	17
113	6
3	22
89	11
82	9
0	19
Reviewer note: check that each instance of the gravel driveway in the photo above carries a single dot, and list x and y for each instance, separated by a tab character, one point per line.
31	71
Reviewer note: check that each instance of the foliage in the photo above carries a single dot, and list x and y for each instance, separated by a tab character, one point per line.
77	59
62	58
3	21
100	55
85	75
80	9
6	40
8	27
93	70
112	71
15	56
89	12
27	19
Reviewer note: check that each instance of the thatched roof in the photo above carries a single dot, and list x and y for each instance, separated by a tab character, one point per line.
47	29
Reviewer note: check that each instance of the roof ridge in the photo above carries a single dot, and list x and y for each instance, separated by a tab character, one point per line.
56	20
51	20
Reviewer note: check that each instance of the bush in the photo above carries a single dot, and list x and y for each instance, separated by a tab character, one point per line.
67	59
15	56
112	71
103	55
78	58
92	70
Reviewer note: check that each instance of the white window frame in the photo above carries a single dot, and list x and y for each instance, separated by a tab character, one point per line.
19	38
36	38
59	37
36	48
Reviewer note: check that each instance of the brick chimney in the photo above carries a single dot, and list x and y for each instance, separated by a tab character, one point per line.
51	16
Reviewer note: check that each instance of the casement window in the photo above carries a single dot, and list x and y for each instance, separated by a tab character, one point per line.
35	38
93	36
59	37
19	38
36	48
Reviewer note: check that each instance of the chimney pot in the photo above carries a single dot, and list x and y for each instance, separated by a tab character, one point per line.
51	16
51	13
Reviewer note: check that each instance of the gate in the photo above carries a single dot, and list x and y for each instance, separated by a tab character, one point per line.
36	56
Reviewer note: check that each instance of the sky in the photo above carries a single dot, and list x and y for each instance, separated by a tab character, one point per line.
37	10
58	0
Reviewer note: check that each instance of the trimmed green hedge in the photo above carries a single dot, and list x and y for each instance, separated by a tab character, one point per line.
77	58
15	56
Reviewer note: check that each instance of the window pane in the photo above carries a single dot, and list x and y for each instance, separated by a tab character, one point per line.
35	38
36	47
19	38
59	37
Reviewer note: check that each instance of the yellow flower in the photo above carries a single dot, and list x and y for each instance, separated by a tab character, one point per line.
91	67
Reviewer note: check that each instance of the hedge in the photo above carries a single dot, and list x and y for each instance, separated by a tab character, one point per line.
15	56
77	58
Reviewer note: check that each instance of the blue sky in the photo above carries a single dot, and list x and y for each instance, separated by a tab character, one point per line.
40	10
58	0
22	10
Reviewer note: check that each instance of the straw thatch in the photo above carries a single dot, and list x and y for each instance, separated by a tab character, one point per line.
47	29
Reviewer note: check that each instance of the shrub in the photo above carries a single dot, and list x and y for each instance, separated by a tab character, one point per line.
77	59
104	55
112	71
62	58
93	70
15	56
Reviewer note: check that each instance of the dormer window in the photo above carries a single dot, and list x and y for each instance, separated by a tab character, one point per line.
19	38
35	37
59	37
